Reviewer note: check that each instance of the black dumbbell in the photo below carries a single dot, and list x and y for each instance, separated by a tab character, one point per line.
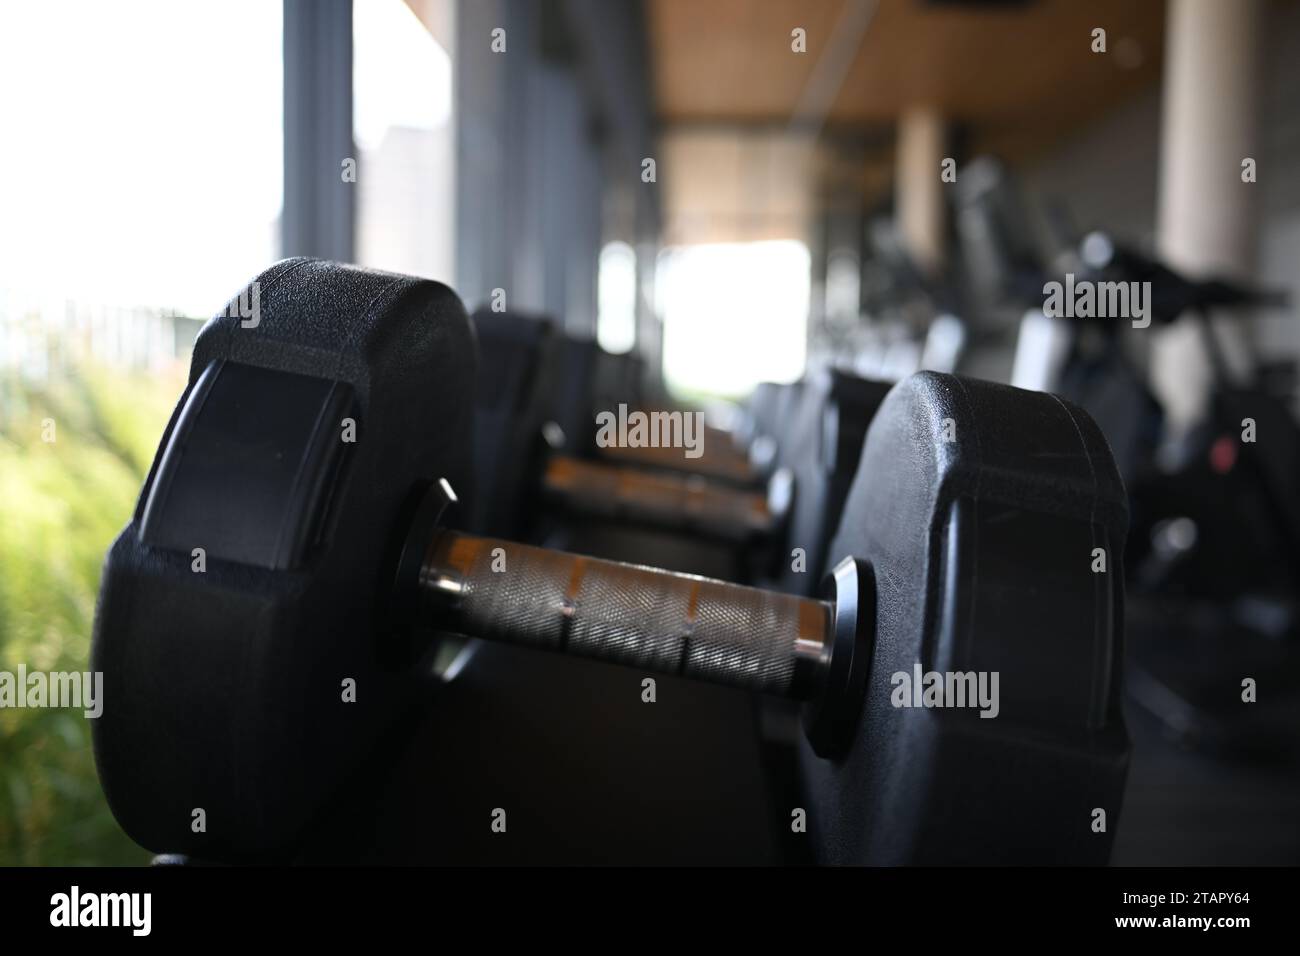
261	616
582	379
722	460
832	410
825	422
545	378
531	444
622	379
673	502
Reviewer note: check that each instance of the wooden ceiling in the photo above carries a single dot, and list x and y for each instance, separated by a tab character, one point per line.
994	67
1015	78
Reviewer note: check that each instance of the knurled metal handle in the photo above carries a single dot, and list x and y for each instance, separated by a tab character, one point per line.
627	614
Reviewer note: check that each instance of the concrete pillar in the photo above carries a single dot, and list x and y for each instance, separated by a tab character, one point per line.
922	139
1207	215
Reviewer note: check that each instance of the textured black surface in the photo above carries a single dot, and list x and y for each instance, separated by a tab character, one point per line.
982	554
822	447
620	378
573	403
223	690
520	360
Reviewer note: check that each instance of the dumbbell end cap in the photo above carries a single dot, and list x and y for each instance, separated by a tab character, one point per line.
831	716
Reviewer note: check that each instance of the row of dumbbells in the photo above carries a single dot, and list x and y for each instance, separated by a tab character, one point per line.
758	504
331	465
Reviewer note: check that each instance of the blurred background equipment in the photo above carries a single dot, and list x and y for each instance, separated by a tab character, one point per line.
764	211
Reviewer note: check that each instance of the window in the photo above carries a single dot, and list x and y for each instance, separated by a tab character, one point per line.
143	161
402	125
734	314
616	292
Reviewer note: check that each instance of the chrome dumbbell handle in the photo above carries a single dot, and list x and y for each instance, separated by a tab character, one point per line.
659	621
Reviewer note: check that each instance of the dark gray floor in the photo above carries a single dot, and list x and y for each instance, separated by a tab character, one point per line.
1184	808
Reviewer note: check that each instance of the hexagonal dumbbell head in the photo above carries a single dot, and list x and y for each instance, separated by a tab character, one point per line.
248	589
993	520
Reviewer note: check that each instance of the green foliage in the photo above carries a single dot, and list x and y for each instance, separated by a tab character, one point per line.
61	503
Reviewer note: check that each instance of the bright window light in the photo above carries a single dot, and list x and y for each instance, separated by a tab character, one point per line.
401	76
401	120
734	315
616	289
143	149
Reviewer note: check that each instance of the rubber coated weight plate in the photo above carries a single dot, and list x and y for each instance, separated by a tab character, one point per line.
224	668
981	510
